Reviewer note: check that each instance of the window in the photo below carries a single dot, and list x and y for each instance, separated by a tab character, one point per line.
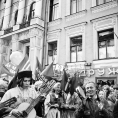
76	6
106	81
1	23
106	46
54	10
52	52
16	15
4	1
32	11
27	50
99	2
76	49
10	51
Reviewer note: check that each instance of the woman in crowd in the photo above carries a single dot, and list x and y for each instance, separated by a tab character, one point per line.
106	89
104	107
103	103
113	97
71	102
53	102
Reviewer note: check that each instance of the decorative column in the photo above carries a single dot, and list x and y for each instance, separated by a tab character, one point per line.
38	8
60	8
93	3
35	47
21	10
68	7
7	14
1	51
16	45
95	42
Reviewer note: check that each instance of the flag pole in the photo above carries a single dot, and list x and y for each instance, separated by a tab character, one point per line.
116	35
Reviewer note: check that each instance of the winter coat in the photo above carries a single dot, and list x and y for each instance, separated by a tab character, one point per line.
115	110
90	109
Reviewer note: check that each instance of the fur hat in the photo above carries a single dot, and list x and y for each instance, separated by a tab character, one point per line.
23	74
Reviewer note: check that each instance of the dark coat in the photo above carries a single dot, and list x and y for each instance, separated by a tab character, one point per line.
115	111
90	109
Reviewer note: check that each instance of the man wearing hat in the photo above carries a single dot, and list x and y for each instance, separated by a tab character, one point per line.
23	92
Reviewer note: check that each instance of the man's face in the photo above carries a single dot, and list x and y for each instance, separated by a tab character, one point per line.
26	82
81	81
116	92
58	88
90	89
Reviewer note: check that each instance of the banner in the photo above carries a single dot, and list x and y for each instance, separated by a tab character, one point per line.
12	68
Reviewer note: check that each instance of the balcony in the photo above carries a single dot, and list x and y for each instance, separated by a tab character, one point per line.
8	30
25	24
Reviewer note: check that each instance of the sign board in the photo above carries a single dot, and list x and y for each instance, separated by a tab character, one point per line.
11	67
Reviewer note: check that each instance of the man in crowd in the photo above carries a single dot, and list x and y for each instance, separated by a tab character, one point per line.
80	88
91	108
23	93
3	87
115	111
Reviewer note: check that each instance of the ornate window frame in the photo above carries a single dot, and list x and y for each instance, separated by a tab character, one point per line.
72	31
53	36
103	24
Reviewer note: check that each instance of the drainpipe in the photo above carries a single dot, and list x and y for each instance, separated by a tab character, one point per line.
45	33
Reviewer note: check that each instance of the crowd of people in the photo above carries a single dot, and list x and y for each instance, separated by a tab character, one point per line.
34	100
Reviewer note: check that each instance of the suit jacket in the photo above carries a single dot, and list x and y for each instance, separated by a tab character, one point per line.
90	109
115	110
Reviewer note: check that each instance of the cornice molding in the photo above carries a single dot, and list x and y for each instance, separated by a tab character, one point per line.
53	35
75	15
54	23
103	7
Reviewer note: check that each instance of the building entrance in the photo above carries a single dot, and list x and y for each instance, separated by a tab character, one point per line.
106	81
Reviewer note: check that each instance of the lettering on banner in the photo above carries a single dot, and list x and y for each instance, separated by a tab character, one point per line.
58	70
112	71
101	72
83	72
91	72
11	67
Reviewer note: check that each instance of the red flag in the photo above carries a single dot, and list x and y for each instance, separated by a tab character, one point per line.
64	80
39	69
38	65
13	82
24	64
48	72
74	82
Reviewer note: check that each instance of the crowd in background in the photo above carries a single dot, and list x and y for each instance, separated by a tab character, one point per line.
83	101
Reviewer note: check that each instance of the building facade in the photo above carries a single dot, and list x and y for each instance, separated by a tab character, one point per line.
22	29
82	33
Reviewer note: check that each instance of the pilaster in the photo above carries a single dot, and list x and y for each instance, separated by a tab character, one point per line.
36	48
16	45
21	11
7	14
